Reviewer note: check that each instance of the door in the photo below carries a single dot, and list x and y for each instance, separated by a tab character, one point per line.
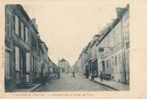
23	65
103	66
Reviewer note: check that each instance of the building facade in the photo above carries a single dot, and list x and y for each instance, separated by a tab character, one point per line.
18	46
24	52
113	48
44	64
108	52
64	66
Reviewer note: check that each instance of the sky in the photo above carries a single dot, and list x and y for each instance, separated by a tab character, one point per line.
67	27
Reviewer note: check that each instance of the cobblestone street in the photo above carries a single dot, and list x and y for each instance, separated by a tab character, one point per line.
68	83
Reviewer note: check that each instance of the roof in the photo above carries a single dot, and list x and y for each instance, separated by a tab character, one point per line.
15	7
115	22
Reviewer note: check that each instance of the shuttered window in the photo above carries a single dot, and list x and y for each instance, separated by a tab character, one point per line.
7	65
17	59
26	34
28	62
22	31
17	25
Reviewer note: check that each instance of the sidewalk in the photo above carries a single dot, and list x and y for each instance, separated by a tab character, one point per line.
113	84
28	89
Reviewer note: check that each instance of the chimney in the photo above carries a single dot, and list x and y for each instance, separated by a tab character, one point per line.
127	6
119	12
96	36
34	23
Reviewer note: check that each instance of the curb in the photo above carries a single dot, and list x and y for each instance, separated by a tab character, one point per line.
35	87
105	85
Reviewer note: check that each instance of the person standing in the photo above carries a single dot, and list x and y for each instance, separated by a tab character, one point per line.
73	73
58	73
101	76
87	74
87	71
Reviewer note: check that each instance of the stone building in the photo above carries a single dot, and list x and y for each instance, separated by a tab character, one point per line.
17	46
110	49
88	55
22	48
44	64
64	65
113	48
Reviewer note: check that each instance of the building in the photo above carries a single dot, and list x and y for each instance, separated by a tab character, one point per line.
113	48
108	52
44	63
88	56
64	65
24	51
18	46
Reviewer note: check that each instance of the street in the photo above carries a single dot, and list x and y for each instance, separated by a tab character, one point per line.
68	83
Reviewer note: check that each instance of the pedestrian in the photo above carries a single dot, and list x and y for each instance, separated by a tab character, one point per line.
101	76
92	76
73	73
58	73
87	74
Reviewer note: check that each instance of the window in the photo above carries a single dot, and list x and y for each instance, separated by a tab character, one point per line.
17	57
16	25
127	45
120	57
116	60
28	62
107	63
8	25
19	26
26	34
103	66
22	30
7	63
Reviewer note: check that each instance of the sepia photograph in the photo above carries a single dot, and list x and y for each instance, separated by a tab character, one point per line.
61	47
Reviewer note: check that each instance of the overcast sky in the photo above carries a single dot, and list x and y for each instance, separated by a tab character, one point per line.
67	27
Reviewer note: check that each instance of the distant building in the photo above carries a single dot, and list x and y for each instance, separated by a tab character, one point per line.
64	65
